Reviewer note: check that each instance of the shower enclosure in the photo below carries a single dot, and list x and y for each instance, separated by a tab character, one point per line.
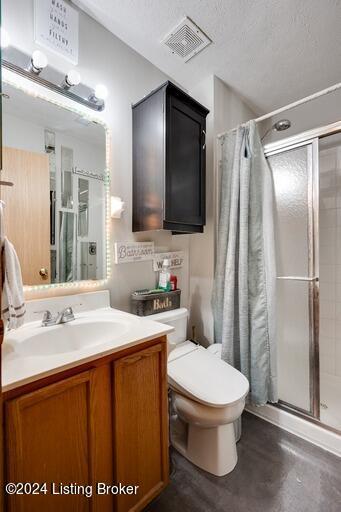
307	183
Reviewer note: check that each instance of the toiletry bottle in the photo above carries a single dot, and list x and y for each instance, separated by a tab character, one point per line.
164	278
173	282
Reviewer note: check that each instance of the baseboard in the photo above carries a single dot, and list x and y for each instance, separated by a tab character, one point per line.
311	432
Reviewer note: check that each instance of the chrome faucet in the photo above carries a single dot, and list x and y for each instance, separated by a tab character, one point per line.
66	315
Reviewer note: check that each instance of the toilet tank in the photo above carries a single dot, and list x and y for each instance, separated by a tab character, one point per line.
177	318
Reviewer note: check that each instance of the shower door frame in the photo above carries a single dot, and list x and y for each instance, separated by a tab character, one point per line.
312	278
310	138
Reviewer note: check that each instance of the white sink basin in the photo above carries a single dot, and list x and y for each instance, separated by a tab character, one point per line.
34	352
65	338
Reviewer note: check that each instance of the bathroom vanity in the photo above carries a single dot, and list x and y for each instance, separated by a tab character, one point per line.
95	413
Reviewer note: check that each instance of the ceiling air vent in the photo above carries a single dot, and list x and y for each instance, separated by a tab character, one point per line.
186	39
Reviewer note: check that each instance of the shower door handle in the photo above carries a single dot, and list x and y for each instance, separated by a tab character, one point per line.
299	278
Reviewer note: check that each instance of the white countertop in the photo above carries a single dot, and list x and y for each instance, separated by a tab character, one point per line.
20	367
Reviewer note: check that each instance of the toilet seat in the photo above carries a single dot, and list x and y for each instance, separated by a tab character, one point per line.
201	376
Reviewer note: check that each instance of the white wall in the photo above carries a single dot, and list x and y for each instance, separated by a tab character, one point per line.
227	110
103	58
22	134
128	76
330	281
320	112
330	261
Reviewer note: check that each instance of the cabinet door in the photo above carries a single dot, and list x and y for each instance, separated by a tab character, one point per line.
141	425
61	433
185	166
148	163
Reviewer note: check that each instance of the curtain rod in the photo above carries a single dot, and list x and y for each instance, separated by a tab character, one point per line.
293	105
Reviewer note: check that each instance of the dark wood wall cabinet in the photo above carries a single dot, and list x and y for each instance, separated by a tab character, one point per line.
169	153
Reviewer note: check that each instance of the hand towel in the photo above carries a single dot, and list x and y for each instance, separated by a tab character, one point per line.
13	307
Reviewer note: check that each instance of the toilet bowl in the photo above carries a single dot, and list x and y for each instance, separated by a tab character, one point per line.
208	396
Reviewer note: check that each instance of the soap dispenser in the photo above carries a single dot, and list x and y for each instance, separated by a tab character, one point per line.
164	277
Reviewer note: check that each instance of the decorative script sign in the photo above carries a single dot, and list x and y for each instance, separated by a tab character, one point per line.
176	259
127	252
56	28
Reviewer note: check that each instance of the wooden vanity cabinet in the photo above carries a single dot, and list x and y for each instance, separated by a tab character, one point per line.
107	422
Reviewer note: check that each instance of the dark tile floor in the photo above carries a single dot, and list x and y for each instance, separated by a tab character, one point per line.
276	472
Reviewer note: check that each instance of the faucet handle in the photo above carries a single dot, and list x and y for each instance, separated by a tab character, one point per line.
47	319
47	315
68	310
65	315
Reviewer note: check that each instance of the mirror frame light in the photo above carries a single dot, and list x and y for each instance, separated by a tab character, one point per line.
38	91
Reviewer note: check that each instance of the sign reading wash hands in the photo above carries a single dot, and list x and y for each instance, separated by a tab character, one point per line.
127	252
56	28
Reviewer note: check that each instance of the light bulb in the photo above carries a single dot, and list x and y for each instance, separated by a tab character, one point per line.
5	39
101	92
72	78
38	61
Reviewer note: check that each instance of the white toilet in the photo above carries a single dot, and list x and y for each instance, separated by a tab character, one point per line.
208	396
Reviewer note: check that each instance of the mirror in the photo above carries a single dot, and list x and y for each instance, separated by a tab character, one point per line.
83	207
55	213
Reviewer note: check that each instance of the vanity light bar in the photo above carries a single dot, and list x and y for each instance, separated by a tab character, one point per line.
21	63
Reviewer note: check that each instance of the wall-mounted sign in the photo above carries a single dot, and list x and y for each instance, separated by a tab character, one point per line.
127	252
88	174
56	28
176	259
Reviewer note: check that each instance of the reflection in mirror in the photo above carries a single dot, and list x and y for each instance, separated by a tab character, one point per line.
67	247
57	161
67	188
88	259
83	207
53	265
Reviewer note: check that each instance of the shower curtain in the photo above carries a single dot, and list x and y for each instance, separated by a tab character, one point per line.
244	299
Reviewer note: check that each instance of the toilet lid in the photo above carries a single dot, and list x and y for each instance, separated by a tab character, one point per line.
201	375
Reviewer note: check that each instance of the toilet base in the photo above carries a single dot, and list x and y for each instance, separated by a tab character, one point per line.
212	449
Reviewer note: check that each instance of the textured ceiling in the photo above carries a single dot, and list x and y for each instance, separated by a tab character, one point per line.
270	51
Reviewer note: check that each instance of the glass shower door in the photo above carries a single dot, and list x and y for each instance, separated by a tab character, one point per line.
295	178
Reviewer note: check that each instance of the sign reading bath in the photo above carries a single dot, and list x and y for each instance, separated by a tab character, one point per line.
56	28
127	252
176	259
